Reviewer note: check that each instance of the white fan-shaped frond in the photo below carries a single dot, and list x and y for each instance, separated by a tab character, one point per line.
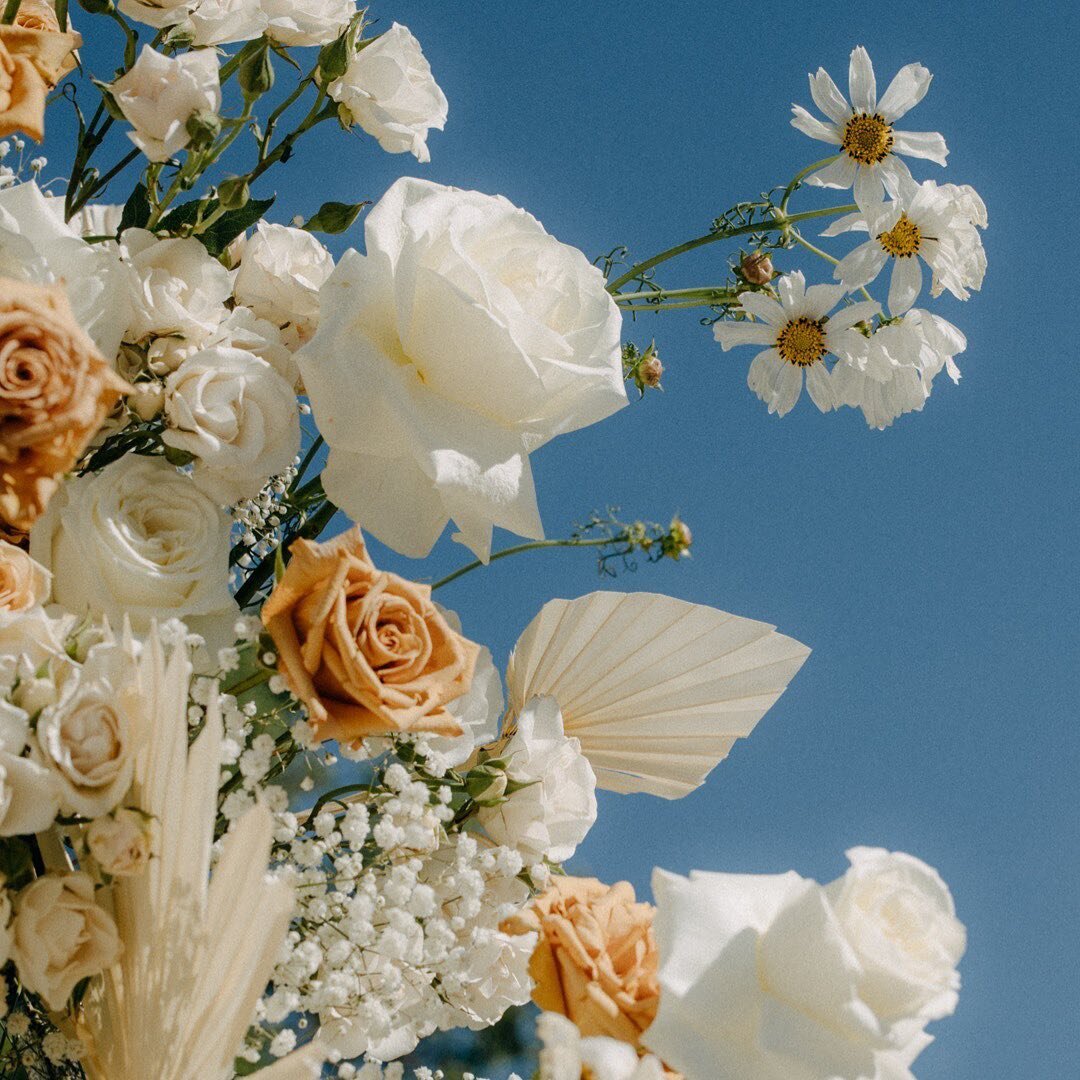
657	689
198	948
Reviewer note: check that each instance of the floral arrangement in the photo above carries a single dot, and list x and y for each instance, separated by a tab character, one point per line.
265	806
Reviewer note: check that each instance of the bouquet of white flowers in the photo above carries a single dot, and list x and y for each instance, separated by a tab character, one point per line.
265	806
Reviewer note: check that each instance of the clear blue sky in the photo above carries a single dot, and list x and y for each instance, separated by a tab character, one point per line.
932	567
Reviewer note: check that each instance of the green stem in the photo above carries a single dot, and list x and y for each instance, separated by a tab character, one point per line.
661	294
533	545
284	148
800	239
275	116
62	13
244	685
797	179
11	9
779	222
90	190
313	449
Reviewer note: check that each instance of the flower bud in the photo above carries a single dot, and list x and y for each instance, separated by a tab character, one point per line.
147	400
97	7
678	540
121	843
203	127
234	193
256	74
757	268
650	371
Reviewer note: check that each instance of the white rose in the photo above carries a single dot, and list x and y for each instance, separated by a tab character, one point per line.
137	539
86	738
182	288
29	795
159	13
549	817
237	416
568	1056
307	22
280	275
121	843
222	22
243	329
37	246
31	639
769	961
61	936
161	93
464	339
388	89
900	919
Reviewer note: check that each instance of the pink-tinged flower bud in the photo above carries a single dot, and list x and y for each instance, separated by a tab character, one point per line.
757	268
651	371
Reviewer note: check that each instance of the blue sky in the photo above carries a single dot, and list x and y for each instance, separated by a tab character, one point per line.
931	567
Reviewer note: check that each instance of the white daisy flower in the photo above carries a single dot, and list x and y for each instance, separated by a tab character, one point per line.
925	223
864	129
800	334
902	359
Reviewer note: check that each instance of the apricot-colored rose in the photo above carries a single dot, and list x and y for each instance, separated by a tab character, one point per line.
33	59
37	15
596	961
24	583
55	391
366	651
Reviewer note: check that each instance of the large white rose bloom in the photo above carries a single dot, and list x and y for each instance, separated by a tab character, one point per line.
158	13
307	22
161	93
465	338
552	815
388	89
237	416
140	540
801	982
221	22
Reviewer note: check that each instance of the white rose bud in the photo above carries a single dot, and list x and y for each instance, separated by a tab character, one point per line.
61	936
389	91
121	843
161	93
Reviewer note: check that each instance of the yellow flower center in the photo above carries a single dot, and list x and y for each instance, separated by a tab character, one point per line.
902	240
867	138
802	341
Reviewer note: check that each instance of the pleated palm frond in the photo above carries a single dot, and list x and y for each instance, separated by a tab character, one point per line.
198	948
656	689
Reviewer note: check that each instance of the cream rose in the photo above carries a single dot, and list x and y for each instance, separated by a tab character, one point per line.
86	738
221	22
122	843
33	59
137	539
307	22
160	94
237	416
281	272
61	936
789	992
24	583
550	816
159	13
565	1055
464	339
388	89
366	651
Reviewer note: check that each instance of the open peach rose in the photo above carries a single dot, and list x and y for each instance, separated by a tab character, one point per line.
366	651
55	391
596	961
24	583
34	56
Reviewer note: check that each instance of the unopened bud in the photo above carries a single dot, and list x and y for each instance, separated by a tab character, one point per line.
256	74
757	268
651	371
234	193
204	128
678	540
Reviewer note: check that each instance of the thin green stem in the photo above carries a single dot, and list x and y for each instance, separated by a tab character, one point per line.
534	545
797	179
275	116
11	9
663	294
800	239
778	222
313	449
244	685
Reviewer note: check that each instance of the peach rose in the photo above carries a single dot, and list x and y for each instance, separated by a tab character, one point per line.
596	962
55	391
366	651
24	583
34	57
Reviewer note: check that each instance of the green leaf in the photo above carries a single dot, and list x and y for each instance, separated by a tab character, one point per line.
335	217
217	237
136	210
16	863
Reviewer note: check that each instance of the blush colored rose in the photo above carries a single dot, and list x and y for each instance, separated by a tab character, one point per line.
24	583
55	391
366	651
33	60
596	962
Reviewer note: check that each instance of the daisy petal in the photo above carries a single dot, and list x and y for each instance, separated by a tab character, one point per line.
810	125
848	223
867	188
819	387
905	286
821	299
861	84
765	369
730	334
828	98
907	89
862	265
763	307
896	176
787	390
921	144
837	174
792	289
848	316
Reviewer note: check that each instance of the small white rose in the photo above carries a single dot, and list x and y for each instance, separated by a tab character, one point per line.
243	329
281	272
222	22
161	93
182	288
29	796
307	22
159	13
61	936
137	540
551	816
389	91
24	583
237	416
121	843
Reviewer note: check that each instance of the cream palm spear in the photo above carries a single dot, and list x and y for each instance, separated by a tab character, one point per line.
656	689
197	952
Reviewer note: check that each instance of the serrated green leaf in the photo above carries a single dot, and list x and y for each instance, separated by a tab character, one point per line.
136	212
